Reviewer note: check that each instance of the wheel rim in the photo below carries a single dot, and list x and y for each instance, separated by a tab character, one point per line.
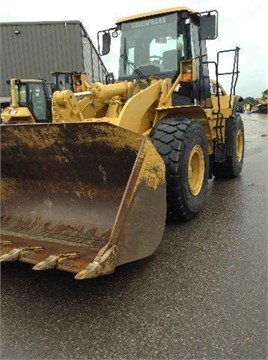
196	170
239	145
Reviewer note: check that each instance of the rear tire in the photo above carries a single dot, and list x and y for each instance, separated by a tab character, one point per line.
183	146
235	143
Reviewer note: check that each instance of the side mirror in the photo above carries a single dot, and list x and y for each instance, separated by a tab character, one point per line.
104	39
106	43
209	25
110	78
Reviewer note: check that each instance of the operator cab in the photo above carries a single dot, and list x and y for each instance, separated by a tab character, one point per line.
155	43
62	80
37	97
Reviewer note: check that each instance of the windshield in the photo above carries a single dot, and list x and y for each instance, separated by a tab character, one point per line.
63	81
151	46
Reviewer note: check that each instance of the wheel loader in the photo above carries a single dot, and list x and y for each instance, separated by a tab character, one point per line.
262	106
93	189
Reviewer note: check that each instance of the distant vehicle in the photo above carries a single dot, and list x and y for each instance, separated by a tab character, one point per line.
30	101
31	98
74	80
263	103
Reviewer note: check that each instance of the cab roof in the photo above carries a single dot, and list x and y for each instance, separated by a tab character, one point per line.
155	12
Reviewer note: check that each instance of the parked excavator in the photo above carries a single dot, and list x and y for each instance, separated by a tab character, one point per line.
31	98
94	188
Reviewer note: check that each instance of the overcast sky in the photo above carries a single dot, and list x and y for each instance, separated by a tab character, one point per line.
241	23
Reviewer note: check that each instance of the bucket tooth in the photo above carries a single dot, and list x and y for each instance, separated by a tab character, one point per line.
4	243
52	261
92	270
12	255
17	253
102	265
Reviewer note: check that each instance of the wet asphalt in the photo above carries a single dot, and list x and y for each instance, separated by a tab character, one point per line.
202	295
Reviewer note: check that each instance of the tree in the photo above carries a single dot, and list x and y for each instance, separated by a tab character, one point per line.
249	100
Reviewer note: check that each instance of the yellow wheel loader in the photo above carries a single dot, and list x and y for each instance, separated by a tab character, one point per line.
262	106
92	189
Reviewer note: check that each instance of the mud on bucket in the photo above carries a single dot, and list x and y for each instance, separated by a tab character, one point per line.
79	197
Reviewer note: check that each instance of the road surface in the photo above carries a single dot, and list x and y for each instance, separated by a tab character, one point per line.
202	295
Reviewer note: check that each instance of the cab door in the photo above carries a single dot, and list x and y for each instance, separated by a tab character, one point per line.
37	103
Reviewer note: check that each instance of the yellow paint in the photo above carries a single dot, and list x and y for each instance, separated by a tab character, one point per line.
239	145
154	13
196	170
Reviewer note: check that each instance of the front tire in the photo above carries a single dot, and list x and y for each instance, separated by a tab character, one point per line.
183	146
232	166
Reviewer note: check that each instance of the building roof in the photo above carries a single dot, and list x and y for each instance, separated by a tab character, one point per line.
35	49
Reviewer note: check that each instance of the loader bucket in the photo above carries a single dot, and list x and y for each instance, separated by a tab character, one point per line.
79	197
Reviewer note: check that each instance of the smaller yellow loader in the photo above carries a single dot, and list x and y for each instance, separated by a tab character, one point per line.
31	98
